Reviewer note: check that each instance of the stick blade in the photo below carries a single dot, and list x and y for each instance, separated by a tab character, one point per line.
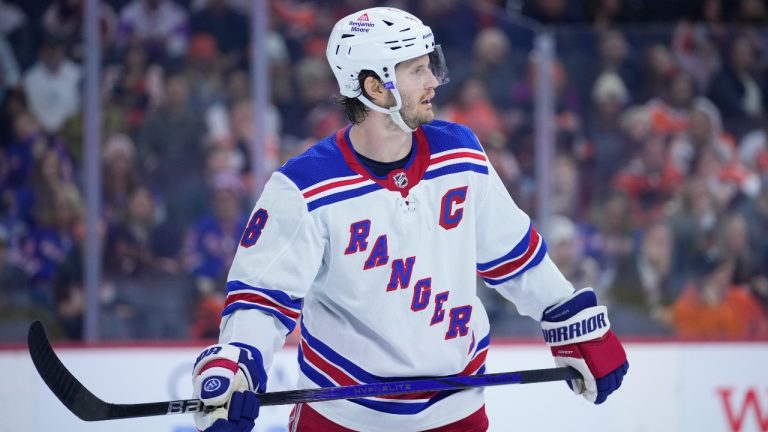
62	383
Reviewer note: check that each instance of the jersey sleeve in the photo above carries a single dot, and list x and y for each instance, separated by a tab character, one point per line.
512	255
279	255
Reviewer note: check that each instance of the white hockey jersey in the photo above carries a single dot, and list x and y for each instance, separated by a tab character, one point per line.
382	272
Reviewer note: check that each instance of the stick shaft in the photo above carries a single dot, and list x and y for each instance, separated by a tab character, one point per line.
89	407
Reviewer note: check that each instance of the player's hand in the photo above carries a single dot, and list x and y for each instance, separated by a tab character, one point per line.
226	377
579	334
238	416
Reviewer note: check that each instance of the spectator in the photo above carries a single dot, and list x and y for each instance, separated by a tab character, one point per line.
498	151
729	181
472	107
567	197
670	112
205	324
143	244
493	62
611	144
49	241
569	133
608	235
734	244
705	131
52	87
565	249
660	67
615	58
159	26
712	307
27	144
649	180
211	244
693	216
169	143
314	82
649	282
134	87
736	89
120	178
695	48
204	74
242	127
63	19
228	27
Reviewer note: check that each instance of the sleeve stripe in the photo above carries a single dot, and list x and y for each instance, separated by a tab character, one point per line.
274	296
289	323
518	262
272	302
254	298
540	254
516	251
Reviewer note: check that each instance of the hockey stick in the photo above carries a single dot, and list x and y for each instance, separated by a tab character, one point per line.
89	407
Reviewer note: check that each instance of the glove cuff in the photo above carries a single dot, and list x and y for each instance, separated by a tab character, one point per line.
576	319
589	324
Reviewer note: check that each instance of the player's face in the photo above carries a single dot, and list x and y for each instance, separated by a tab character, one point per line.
416	84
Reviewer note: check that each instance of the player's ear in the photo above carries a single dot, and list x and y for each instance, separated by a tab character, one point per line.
375	90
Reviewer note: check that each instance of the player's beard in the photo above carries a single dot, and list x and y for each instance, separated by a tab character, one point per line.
412	111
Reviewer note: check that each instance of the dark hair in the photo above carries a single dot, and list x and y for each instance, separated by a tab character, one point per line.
355	110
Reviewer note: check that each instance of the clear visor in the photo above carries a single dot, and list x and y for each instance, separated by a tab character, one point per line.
437	65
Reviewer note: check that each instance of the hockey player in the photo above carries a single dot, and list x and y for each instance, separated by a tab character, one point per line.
372	240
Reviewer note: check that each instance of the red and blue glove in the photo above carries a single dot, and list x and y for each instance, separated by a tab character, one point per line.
579	334
226	377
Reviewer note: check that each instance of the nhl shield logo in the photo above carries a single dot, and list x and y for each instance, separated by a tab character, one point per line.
400	179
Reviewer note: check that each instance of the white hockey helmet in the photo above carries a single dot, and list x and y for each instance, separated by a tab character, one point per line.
377	39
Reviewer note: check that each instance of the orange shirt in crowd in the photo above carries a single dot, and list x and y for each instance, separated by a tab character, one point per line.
737	316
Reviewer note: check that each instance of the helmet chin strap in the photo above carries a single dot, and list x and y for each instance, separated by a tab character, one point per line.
393	112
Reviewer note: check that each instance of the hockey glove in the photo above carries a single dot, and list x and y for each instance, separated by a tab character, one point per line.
578	332
225	377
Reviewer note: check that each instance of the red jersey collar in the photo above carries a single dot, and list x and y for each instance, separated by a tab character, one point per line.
399	180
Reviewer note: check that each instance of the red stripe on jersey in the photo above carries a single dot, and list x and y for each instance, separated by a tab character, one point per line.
258	299
517	263
324	366
475	364
342	378
312	192
439	159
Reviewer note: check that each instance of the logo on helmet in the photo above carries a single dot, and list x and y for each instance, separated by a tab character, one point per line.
363	17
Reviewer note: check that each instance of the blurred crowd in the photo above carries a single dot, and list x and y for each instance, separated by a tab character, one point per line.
660	178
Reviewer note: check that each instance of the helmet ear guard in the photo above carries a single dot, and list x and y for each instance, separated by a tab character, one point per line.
378	39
